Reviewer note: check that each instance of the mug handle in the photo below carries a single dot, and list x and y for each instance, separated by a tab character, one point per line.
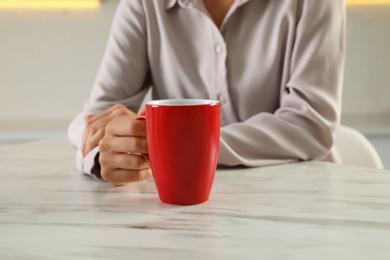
142	117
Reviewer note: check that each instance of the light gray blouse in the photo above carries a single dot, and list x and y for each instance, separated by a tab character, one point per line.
276	66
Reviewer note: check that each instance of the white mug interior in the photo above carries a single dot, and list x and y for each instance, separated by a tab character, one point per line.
182	102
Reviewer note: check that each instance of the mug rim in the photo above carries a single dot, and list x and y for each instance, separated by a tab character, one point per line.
183	102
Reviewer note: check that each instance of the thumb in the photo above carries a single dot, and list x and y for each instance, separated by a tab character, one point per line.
141	111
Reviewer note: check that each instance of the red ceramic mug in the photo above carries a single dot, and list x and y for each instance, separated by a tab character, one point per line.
183	143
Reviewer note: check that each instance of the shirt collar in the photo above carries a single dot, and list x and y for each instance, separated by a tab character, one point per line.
170	3
183	3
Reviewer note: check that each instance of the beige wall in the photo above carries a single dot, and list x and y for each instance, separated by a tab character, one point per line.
367	75
48	61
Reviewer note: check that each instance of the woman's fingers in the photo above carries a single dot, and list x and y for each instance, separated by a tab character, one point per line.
121	176
121	140
127	144
126	126
124	135
84	141
141	111
120	151
122	168
98	116
123	161
116	110
93	140
95	125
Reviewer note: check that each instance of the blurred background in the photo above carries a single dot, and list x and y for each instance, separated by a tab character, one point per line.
50	51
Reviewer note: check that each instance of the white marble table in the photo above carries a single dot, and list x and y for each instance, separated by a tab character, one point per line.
299	211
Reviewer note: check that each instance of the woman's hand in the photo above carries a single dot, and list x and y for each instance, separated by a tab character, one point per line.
121	150
96	124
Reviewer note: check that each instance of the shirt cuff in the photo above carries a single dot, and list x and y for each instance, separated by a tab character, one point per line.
90	163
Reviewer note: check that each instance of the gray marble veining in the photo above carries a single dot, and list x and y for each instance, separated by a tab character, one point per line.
308	210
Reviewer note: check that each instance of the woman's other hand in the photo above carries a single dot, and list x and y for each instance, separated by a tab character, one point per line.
95	125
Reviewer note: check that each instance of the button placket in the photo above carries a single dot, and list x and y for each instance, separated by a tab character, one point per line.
218	48
222	99
219	83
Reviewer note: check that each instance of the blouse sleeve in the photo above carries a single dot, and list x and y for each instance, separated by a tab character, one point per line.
309	112
123	76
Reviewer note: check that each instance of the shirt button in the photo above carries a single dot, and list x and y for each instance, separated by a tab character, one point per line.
222	99
218	48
